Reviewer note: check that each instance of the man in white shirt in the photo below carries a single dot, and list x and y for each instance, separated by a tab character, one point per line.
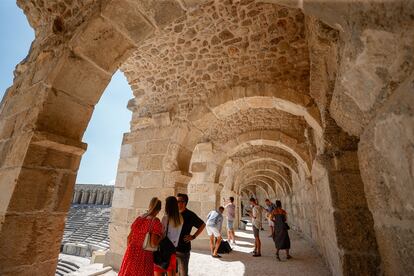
256	215
213	225
231	215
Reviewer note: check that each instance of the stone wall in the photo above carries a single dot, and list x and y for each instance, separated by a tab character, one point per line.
306	101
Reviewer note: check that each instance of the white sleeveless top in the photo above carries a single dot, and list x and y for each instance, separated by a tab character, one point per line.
173	232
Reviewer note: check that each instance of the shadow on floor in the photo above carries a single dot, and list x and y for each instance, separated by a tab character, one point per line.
306	260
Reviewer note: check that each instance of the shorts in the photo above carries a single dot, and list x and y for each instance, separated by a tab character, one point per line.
212	230
171	267
271	223
255	231
230	224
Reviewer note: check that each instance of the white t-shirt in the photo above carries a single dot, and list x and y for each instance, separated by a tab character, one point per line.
257	217
231	211
173	232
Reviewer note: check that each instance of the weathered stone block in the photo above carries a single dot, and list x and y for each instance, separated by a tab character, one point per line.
118	232
347	190
8	178
128	164
34	190
39	238
103	44
119	215
149	179
354	230
142	196
126	15
38	156
64	115
80	79
360	264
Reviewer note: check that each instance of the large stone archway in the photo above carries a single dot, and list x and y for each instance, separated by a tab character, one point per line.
46	111
300	65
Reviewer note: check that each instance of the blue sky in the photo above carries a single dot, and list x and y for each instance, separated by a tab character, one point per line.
110	119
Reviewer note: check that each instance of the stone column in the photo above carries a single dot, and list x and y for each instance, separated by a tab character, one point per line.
85	197
110	198
147	167
99	197
92	197
346	226
202	188
106	198
75	196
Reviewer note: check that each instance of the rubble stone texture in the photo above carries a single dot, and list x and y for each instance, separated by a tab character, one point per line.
309	102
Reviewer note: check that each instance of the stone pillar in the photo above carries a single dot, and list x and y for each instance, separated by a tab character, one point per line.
92	197
99	197
75	196
110	198
85	197
147	167
346	227
202	188
107	198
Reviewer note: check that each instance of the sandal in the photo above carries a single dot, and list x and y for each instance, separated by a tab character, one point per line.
257	255
216	256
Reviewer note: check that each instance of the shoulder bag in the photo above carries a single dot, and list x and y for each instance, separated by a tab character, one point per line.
163	255
146	245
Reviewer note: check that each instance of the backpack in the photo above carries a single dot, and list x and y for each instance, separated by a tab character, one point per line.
224	247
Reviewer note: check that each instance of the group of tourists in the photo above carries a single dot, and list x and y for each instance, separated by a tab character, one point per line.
158	247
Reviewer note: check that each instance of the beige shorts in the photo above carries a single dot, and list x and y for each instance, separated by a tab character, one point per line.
211	230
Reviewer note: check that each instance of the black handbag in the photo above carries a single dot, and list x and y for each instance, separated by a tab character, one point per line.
163	255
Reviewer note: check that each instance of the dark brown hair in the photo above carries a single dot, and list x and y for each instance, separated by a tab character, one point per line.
171	210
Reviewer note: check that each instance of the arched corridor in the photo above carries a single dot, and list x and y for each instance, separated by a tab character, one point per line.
302	101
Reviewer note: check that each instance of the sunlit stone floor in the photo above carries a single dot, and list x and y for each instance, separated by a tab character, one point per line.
306	260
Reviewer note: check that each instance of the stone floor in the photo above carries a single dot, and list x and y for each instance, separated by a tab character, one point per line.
306	260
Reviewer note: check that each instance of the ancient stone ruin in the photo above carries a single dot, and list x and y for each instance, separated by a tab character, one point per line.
310	102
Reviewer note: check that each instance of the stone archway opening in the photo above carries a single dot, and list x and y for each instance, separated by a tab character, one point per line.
190	125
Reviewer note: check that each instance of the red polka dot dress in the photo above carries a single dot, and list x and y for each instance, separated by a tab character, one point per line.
138	262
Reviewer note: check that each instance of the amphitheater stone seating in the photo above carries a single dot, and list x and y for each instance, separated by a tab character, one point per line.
86	228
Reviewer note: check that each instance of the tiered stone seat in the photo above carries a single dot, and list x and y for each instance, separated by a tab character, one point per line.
87	225
65	267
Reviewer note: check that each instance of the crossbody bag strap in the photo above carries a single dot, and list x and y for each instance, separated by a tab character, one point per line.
152	222
168	224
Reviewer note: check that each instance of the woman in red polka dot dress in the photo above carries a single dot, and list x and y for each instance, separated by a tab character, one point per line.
137	261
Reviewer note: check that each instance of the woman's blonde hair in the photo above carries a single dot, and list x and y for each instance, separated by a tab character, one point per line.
154	206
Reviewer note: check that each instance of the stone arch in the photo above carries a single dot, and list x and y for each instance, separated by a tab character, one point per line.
250	187
275	177
263	185
275	186
262	95
52	100
270	138
264	168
